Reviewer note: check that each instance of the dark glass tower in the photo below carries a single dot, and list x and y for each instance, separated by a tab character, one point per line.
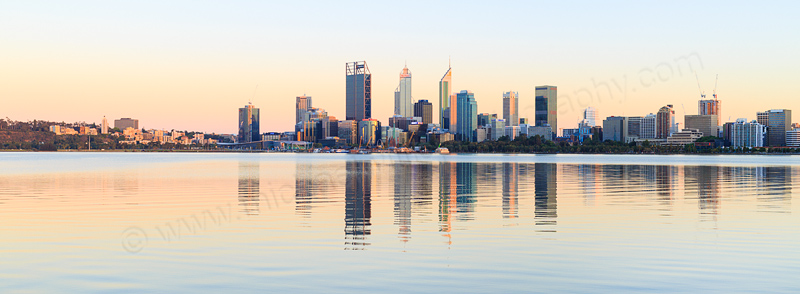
359	91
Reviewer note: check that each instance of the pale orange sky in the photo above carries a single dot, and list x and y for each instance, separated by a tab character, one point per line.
189	65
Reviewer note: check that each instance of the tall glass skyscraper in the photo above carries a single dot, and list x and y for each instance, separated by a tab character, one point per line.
590	116
249	130
547	107
445	84
511	108
779	122
359	91
467	119
403	105
302	104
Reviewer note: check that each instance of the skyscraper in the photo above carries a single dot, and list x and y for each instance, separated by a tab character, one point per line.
779	122
104	126
424	109
665	118
125	122
467	119
590	116
249	118
402	95
302	105
511	108
547	107
710	107
445	84
647	129
359	91
707	124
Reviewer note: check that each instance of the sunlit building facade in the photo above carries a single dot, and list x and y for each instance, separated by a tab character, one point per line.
249	130
403	104
511	108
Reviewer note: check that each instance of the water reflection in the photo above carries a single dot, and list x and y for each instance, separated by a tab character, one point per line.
358	206
249	185
545	184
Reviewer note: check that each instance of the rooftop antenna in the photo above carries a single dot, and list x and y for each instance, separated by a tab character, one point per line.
254	94
702	95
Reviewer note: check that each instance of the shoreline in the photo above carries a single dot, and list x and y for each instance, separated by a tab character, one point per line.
396	153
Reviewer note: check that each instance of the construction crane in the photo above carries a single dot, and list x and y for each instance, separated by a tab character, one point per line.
715	87
702	94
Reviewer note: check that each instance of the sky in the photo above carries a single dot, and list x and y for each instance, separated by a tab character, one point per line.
189	65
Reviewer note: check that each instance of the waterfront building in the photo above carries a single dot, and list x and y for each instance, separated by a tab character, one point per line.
126	122
512	132
445	86
647	128
665	120
634	128
348	131
302	104
481	134
793	138
615	128
544	131
710	107
511	108
486	119
424	110
707	124
402	122
249	118
358	91
746	134
467	119
684	137
369	132
547	106
104	126
403	104
497	129
779	121
590	116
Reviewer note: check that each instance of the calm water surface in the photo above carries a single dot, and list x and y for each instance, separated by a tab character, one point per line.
110	222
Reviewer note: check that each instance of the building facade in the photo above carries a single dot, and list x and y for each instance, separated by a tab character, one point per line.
793	138
358	83
710	107
445	86
467	119
511	108
707	124
778	123
590	116
746	134
302	104
665	119
126	122
403	104
249	129
424	109
547	106
615	128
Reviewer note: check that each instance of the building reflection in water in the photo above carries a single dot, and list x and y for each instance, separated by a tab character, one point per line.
545	209
776	192
447	196
249	186
303	187
708	187
510	186
586	176
465	191
403	180
358	207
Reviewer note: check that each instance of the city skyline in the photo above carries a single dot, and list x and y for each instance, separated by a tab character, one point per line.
138	71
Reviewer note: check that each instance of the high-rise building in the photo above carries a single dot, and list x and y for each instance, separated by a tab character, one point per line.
615	128
467	119
744	134
497	129
665	119
424	109
104	126
125	122
634	127
590	116
302	104
779	122
647	129
511	108
762	117
369	131
403	105
547	106
445	86
707	124
486	118
710	107
348	131
249	130
793	138
359	91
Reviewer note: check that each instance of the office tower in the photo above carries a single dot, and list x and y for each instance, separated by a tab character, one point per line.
707	124
497	129
762	117
779	122
665	119
710	107
424	109
104	126
348	131
403	105
124	123
634	127
744	134
369	131
485	118
302	105
647	129
359	91
547	106
793	138
249	130
445	86
523	120
590	116
615	128
467	119
511	108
